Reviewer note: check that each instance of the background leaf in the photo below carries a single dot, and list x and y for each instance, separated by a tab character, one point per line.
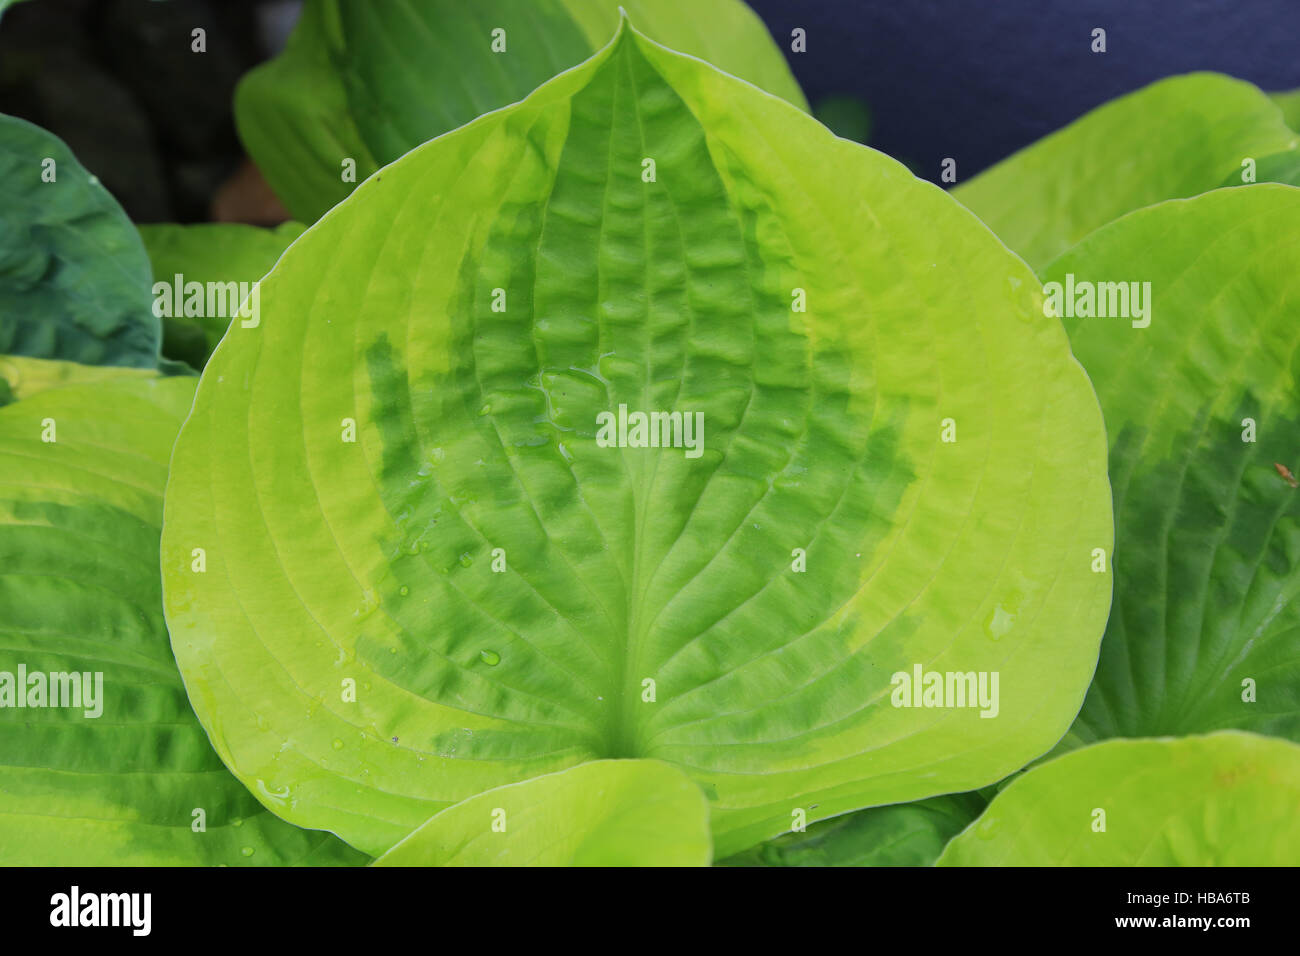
1226	799
1177	137
1278	168
74	277
1289	103
211	252
906	834
603	813
25	377
1207	531
373	561
79	527
371	81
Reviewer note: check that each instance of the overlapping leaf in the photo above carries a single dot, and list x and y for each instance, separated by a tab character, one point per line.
228	254
1225	799
905	834
1175	138
74	277
475	591
602	813
1201	409
1289	103
366	82
23	377
126	776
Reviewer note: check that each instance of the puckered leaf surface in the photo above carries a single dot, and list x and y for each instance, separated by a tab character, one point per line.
1224	799
367	81
602	813
475	591
1201	407
74	277
1178	137
80	593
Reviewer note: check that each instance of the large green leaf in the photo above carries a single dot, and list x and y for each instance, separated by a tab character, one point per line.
209	253
74	277
369	81
1177	137
1205	631
602	813
906	834
500	586
80	592
1226	799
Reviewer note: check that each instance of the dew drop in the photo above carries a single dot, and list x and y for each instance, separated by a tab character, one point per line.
999	623
338	744
403	590
247	851
466	560
490	658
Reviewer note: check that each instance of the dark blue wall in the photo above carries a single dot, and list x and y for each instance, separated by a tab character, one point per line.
978	79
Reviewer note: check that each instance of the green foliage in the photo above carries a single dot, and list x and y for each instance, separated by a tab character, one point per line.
1226	799
1205	630
497	587
214	252
602	813
366	82
1175	138
74	278
121	773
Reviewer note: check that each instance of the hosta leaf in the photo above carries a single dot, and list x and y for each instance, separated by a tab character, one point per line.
1177	137
368	81
1278	168
906	834
74	277
603	813
498	588
210	253
1205	631
1289	103
79	526
1226	799
24	377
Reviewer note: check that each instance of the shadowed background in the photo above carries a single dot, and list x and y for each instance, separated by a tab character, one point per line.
919	79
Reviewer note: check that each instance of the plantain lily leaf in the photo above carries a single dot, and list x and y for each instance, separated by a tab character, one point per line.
1278	168
224	259
1289	103
1177	137
1199	397
25	377
74	277
906	834
603	813
361	83
442	556
1225	799
102	762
